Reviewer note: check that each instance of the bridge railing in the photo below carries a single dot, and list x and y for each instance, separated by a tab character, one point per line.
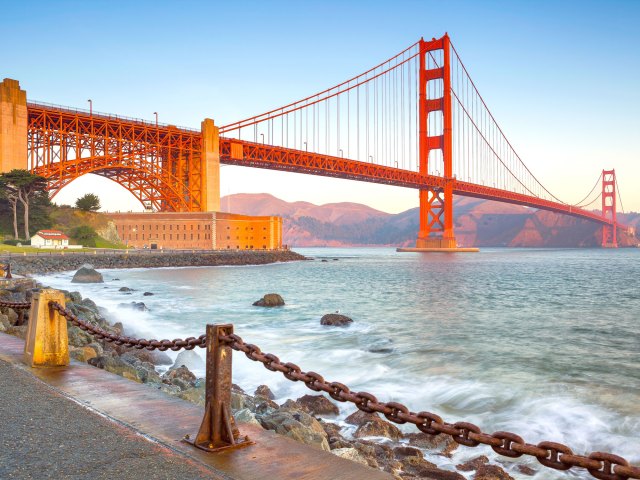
106	116
46	345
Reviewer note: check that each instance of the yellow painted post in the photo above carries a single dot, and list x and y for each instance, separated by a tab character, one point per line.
47	344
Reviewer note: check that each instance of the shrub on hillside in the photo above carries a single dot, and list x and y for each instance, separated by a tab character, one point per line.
84	235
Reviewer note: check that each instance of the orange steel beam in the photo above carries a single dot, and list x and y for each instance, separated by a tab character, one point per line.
259	155
159	165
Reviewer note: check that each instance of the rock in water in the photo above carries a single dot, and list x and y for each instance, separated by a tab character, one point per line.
87	274
270	300
189	359
335	320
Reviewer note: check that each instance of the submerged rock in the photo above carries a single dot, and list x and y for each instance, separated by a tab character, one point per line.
126	289
87	274
269	300
140	306
491	472
335	320
147	294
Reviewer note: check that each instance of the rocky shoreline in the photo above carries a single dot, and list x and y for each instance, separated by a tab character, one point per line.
57	262
310	419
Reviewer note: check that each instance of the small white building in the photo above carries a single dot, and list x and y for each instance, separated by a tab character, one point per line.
50	239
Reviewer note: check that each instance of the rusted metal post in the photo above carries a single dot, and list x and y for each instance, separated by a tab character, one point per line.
7	271
46	343
218	430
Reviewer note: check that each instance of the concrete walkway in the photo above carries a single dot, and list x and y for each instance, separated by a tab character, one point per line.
82	422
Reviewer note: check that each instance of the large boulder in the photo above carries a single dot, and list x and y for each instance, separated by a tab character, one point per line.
181	377
87	274
270	300
264	391
491	472
335	320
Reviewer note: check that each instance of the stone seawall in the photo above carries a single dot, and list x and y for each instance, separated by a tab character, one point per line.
39	264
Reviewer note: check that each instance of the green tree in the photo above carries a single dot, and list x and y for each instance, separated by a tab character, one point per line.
85	235
88	203
21	186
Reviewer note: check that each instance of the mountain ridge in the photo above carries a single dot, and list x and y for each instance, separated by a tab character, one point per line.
480	223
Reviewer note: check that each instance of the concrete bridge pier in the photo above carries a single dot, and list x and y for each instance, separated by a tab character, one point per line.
13	126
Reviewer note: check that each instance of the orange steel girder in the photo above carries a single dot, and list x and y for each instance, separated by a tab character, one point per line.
159	165
259	155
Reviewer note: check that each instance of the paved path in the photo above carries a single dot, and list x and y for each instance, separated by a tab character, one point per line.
44	434
118	429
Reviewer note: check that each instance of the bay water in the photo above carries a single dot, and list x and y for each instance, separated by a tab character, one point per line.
541	342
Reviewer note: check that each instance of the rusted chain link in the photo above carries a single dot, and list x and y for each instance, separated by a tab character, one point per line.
139	343
15	305
604	466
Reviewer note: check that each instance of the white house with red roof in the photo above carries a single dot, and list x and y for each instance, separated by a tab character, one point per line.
50	239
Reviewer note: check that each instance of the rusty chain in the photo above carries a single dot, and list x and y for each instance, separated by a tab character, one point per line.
139	343
15	305
604	466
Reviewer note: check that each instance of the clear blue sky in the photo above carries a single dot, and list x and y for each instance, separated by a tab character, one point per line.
561	77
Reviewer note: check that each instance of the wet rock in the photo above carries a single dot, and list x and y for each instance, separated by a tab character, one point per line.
350	454
472	464
270	300
332	430
378	455
194	395
82	354
126	289
418	466
236	388
139	306
376	427
299	426
4	322
444	443
324	260
404	451
75	297
246	416
118	366
189	359
19	331
359	417
78	337
154	357
525	470
264	391
318	405
240	401
87	274
335	320
264	405
181	376
491	472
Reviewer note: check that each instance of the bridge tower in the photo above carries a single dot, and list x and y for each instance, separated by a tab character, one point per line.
609	239
13	126
436	203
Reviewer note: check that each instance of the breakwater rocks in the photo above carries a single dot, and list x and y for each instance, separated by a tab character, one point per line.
311	419
40	264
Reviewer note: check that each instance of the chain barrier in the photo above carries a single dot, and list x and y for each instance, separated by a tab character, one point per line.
15	305
604	466
139	343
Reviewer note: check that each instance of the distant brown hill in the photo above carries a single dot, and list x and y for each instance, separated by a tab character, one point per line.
479	223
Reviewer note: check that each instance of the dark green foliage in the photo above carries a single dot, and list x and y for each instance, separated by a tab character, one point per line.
84	235
88	203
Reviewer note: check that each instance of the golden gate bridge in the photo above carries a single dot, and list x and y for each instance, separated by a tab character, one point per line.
416	120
